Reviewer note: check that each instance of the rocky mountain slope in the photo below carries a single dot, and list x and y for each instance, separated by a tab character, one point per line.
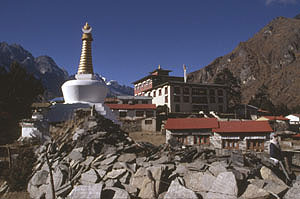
45	68
270	57
42	67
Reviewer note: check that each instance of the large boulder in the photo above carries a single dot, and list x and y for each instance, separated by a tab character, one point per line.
199	181
39	178
89	177
217	167
275	188
115	193
151	184
292	193
176	190
86	191
127	157
253	192
225	186
116	173
268	174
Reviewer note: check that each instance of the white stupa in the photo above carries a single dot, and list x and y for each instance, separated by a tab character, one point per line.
85	90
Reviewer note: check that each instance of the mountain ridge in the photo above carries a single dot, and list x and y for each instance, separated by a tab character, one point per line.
44	68
271	57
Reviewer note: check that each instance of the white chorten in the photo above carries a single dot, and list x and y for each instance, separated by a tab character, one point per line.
85	88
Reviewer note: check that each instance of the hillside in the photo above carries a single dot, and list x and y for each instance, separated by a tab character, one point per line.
270	57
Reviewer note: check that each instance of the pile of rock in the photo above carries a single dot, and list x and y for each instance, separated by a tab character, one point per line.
93	158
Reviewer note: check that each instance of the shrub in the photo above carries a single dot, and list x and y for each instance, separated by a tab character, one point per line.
20	173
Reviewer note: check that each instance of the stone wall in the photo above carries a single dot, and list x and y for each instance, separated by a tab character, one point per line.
131	125
216	140
147	126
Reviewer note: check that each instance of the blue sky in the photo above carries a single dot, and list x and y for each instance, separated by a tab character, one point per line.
131	37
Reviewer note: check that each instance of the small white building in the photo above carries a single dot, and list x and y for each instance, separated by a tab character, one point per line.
191	131
135	117
36	127
294	119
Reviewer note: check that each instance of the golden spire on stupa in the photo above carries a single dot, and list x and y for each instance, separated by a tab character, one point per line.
86	64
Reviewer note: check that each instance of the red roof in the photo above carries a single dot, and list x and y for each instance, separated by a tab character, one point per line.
243	127
131	106
297	135
191	123
276	118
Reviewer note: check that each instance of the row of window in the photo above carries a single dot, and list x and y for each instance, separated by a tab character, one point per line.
136	101
198	99
197	139
138	113
159	92
197	91
144	84
256	145
186	91
197	108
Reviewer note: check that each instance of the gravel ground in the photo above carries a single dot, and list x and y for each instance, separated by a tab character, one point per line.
155	138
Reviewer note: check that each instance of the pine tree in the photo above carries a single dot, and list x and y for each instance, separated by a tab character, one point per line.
233	84
262	100
19	90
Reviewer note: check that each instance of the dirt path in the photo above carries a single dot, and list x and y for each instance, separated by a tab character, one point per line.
155	138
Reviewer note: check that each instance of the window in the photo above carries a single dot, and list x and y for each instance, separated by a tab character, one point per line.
186	99
176	98
211	92
255	145
199	100
186	91
166	99
197	108
149	114
176	90
166	90
159	92
220	99
199	91
201	139
221	109
220	92
181	139
148	122
177	108
122	114
154	93
212	100
144	102
195	91
230	144
139	113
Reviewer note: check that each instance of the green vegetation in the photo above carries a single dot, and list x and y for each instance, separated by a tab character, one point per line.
262	100
19	175
19	90
233	84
